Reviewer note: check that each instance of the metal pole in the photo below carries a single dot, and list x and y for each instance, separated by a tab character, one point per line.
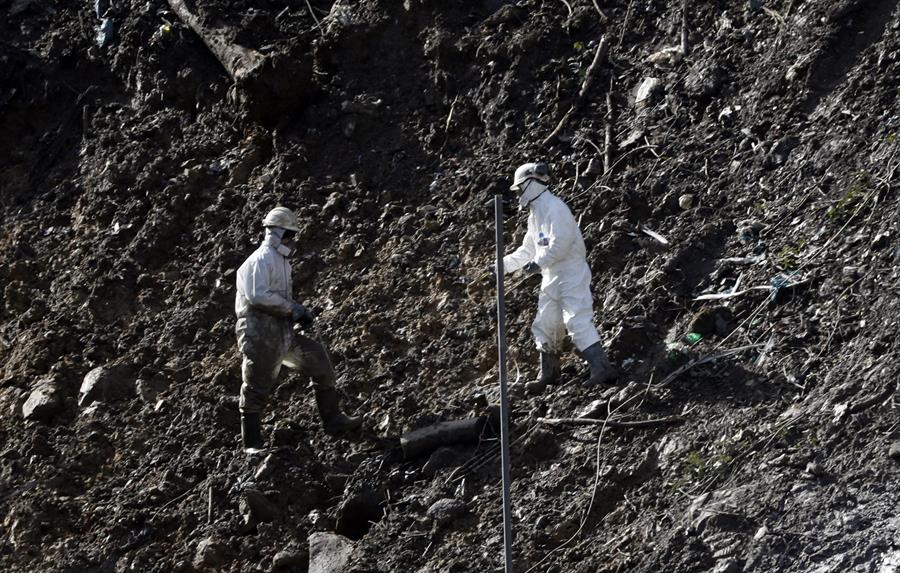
504	401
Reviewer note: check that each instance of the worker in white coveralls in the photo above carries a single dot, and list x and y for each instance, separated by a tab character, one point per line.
266	313
553	247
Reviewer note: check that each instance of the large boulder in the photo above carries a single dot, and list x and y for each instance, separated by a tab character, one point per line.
44	402
329	553
104	384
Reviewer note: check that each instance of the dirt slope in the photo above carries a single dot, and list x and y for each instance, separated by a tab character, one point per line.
132	185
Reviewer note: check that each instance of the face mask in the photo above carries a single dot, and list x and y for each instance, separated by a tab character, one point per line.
530	191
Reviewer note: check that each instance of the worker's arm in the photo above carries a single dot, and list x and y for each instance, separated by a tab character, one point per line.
523	255
561	234
260	296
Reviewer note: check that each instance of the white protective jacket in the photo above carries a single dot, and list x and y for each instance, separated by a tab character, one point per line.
554	242
264	306
264	281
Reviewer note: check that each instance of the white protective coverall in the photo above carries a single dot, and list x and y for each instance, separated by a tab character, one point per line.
264	306
553	241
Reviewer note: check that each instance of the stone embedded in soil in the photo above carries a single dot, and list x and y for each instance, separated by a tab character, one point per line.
104	385
894	451
814	469
329	553
289	557
686	201
443	511
255	507
210	553
43	403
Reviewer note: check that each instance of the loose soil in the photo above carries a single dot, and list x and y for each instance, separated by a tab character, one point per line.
132	186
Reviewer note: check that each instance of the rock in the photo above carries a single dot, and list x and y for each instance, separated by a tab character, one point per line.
443	511
727	566
686	201
329	553
720	510
815	469
44	402
210	553
646	91
255	507
894	451
148	389
780	152
666	58
289	557
104	385
703	80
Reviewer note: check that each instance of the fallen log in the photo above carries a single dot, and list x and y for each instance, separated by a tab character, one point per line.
469	431
265	85
427	439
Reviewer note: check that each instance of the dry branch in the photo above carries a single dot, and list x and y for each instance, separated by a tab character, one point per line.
599	57
608	140
611	423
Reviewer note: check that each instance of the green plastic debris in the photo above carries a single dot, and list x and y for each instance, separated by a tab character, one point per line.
693	338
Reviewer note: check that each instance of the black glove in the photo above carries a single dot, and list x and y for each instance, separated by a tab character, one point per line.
531	269
491	274
302	316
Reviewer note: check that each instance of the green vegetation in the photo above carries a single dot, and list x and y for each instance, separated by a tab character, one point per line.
840	210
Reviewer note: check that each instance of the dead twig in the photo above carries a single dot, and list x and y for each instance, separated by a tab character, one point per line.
636	424
608	142
315	19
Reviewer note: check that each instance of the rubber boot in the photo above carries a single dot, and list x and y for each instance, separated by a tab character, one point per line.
333	420
602	371
549	374
251	434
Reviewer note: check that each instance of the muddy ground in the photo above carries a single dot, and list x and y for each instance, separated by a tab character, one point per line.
134	176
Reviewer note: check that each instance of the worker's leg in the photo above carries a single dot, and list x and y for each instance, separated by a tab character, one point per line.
310	357
578	315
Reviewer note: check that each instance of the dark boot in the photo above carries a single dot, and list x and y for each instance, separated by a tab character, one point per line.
251	434
549	374
333	420
602	372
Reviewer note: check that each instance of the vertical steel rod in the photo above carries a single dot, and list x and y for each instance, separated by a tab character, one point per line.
504	401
